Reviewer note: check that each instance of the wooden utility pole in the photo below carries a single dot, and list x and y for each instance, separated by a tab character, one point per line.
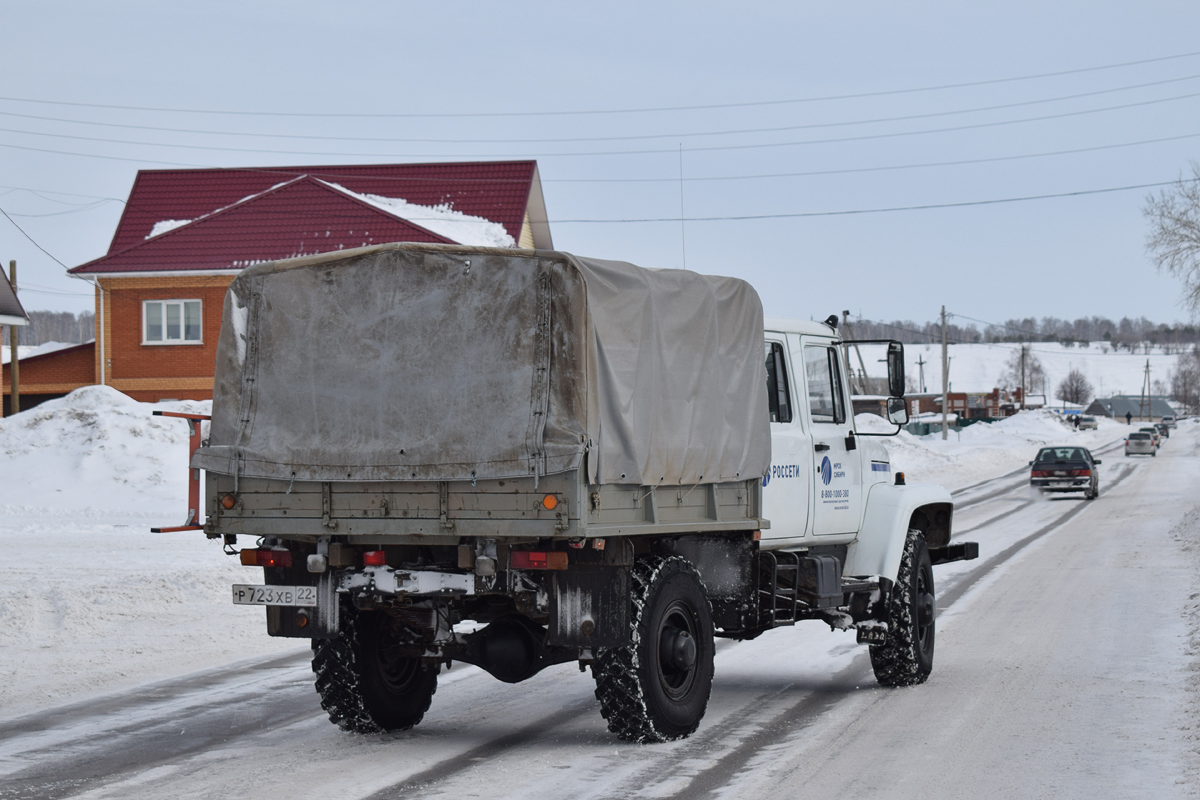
945	375
14	363
1022	377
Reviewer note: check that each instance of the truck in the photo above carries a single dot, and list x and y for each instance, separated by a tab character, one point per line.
517	459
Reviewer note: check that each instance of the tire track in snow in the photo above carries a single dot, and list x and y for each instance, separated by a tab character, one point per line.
787	719
804	712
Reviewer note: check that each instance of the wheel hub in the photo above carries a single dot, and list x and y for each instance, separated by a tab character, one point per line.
925	609
677	649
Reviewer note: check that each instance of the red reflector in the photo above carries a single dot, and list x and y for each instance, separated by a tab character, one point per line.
374	558
534	559
266	558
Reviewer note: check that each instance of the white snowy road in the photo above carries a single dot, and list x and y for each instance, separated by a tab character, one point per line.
1062	670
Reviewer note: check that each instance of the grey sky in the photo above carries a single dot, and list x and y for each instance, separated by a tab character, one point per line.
1066	257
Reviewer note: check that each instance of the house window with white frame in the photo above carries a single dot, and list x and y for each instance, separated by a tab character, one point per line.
171	322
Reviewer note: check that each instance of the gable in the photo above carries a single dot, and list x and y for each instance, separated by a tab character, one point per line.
502	191
302	217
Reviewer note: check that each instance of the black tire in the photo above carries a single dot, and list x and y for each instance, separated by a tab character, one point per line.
907	658
1092	493
364	686
656	689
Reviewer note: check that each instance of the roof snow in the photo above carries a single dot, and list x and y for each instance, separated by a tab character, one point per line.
441	219
167	225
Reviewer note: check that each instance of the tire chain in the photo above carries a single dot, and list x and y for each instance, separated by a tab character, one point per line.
895	663
615	669
335	663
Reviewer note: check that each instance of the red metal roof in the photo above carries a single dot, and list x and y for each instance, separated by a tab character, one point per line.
495	190
300	217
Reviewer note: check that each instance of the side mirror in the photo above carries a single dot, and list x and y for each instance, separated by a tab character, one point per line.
1096	461
895	365
897	411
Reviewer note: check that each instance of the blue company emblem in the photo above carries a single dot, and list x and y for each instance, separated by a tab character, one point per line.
767	477
826	471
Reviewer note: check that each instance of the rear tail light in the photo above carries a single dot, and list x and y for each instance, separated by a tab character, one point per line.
374	558
266	558
1081	473
534	559
1040	473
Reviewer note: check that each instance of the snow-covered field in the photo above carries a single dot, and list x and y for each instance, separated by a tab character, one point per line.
978	367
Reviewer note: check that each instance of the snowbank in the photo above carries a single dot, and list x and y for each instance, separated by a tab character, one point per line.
982	450
90	600
94	451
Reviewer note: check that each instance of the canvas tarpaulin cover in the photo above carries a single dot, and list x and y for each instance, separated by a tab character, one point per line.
440	362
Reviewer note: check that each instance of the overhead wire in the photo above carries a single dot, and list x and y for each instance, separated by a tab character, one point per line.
658	109
640	137
593	153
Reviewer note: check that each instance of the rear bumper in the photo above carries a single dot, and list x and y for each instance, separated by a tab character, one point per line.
1061	484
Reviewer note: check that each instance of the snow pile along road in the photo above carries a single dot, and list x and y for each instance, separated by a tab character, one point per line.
983	450
90	600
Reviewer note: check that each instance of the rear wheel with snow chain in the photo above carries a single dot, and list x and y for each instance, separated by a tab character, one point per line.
907	658
365	685
656	689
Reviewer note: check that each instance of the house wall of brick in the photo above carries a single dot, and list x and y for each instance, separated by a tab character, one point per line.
151	372
55	373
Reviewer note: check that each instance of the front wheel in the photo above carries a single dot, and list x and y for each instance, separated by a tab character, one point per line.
656	688
907	658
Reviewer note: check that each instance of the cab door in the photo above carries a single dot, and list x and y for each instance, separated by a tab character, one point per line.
834	458
788	484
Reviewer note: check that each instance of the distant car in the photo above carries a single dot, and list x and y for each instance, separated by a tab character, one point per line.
1154	434
1140	443
1087	423
1164	429
1065	469
1170	420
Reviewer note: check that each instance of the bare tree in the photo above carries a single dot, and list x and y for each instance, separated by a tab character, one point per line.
1075	388
1185	380
1174	238
1023	369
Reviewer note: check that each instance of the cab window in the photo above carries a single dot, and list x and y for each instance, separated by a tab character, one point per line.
826	398
779	400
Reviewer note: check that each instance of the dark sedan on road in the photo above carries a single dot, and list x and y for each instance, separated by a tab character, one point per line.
1065	469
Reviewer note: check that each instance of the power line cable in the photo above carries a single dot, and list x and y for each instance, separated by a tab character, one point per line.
706	148
639	137
758	176
924	207
30	238
708	106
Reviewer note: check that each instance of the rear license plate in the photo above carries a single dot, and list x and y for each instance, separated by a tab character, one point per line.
246	595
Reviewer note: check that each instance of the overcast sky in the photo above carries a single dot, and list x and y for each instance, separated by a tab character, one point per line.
473	80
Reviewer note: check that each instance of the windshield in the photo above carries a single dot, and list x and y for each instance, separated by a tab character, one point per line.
1061	454
1142	436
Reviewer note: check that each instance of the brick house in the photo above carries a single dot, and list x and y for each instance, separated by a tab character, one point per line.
185	234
